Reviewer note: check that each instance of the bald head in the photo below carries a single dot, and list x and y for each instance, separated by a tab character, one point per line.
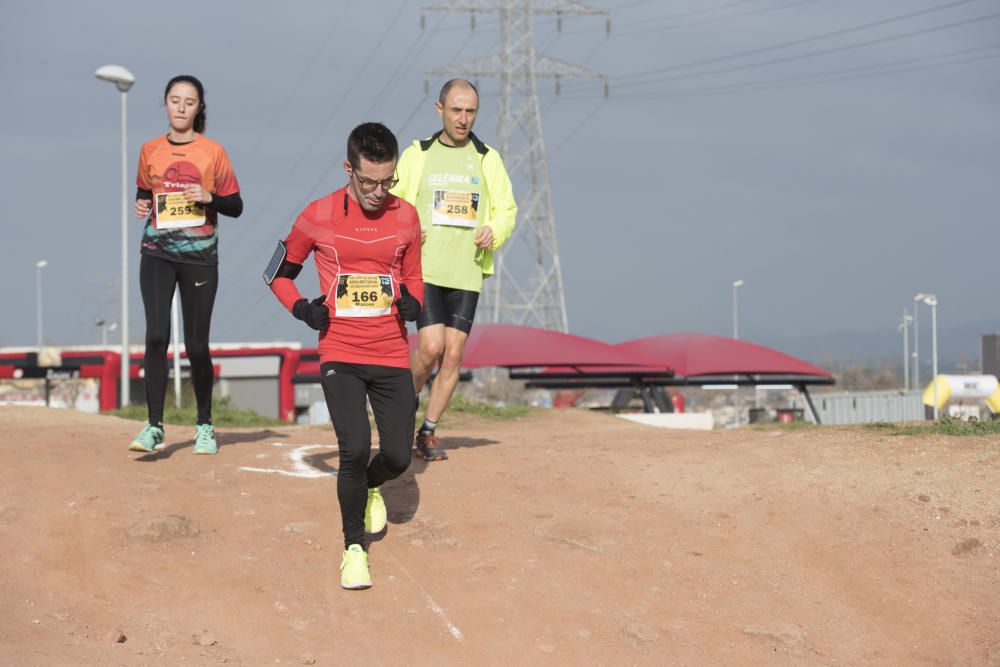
459	83
457	106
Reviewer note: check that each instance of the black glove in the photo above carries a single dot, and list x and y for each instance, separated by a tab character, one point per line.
408	306
313	313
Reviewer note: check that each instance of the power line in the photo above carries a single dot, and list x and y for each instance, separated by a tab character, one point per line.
680	15
844	74
333	114
578	127
678	26
422	40
413	114
399	71
593	52
715	19
305	72
813	54
484	26
260	248
886	72
629	5
462	46
532	291
650	24
409	56
795	42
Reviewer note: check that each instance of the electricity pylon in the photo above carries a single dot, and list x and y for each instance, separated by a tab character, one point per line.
528	286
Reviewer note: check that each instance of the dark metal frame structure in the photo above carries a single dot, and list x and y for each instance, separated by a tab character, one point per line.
645	381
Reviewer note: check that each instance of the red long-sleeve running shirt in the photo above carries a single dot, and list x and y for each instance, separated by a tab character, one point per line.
362	258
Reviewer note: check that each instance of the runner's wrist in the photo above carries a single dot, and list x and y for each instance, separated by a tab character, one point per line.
300	308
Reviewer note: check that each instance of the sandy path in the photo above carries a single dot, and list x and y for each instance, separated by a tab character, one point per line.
563	538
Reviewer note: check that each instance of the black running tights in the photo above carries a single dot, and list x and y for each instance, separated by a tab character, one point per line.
198	284
390	391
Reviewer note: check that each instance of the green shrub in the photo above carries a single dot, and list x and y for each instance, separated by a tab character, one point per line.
461	404
224	415
784	426
946	426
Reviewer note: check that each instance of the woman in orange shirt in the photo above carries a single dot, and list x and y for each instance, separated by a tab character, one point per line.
185	181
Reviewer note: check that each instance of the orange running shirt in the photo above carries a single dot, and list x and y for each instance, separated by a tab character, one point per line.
178	230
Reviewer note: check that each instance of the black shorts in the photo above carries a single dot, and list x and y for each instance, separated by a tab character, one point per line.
455	308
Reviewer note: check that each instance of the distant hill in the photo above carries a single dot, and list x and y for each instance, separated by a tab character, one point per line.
958	346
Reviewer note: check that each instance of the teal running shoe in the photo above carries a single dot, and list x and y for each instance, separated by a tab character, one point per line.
354	569
204	440
149	437
375	514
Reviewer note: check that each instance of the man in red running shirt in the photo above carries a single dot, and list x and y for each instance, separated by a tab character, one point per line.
366	246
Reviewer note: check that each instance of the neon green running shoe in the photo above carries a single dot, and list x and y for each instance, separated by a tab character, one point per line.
375	515
204	440
354	569
149	437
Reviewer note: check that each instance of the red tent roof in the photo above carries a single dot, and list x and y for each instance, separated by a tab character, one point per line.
516	346
687	355
692	355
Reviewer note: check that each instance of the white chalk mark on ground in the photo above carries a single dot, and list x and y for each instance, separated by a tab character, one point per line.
431	604
299	467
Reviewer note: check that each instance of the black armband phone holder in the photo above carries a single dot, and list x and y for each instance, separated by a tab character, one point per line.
278	267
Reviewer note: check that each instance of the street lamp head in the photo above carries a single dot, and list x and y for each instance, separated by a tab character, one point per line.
738	283
118	75
919	297
99	322
41	264
112	326
930	299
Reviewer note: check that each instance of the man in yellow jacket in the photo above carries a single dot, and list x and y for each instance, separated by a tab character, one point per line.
463	195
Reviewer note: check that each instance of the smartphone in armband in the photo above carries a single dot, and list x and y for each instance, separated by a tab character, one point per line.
274	266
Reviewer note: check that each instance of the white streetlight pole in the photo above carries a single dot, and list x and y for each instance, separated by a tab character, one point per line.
39	265
905	328
736	315
916	339
931	301
123	80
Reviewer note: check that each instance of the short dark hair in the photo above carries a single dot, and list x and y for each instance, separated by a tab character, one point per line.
373	142
199	119
451	83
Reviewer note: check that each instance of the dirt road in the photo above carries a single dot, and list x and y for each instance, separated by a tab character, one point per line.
562	538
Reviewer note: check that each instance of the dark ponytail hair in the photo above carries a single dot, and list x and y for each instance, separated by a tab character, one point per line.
199	119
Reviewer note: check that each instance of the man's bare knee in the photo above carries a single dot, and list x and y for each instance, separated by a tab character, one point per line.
431	349
453	357
424	362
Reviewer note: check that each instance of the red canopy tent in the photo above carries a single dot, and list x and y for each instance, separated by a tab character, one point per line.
696	359
517	346
553	360
693	355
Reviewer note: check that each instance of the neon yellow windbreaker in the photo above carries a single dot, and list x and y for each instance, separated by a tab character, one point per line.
502	212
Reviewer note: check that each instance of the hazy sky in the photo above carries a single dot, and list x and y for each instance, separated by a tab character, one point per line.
755	139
